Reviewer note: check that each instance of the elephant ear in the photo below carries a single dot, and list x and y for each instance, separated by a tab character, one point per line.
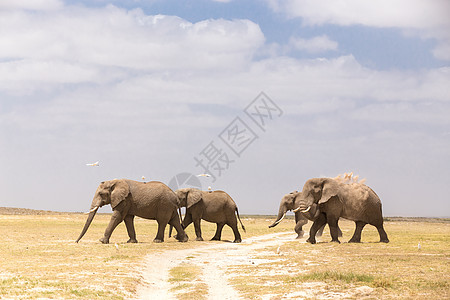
294	197
329	190
194	196
120	191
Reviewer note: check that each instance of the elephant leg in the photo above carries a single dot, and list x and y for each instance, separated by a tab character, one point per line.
218	234
115	220
181	234
198	230
129	223
160	235
320	231
187	220
237	235
299	222
333	224
319	222
356	238
382	233
299	230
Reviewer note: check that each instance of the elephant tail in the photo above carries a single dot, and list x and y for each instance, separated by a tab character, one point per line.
237	212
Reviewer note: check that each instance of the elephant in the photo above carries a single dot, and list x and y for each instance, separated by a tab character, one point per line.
212	206
325	200
149	200
287	204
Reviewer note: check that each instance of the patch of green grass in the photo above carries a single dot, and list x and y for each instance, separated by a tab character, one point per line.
187	283
335	276
184	272
93	294
117	257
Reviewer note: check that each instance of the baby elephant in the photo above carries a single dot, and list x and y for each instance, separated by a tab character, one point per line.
215	207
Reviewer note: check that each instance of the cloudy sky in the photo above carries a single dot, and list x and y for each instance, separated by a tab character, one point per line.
159	88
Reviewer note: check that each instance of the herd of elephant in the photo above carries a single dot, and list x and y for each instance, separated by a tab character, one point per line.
322	200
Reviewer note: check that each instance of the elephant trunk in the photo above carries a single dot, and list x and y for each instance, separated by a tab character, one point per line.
92	213
281	215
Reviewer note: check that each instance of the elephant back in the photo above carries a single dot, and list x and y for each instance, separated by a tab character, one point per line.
219	197
152	193
361	203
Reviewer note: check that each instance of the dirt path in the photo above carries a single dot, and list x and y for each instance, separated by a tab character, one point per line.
213	257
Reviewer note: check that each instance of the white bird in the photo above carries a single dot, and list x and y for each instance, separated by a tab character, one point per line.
203	175
209	189
117	246
419	246
279	250
96	164
143	178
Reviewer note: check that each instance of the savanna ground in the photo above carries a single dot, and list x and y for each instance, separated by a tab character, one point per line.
39	259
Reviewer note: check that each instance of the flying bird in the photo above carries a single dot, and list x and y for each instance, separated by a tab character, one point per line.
96	164
203	175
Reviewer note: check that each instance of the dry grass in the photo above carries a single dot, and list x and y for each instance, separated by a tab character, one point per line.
370	269
38	258
186	282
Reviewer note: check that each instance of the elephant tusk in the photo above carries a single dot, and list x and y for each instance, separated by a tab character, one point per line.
276	223
92	210
306	210
303	211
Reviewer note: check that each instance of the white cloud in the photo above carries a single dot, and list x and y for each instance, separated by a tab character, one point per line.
427	19
316	44
384	13
128	39
31	5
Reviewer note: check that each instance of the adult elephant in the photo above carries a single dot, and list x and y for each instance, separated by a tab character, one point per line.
216	207
325	200
287	204
149	200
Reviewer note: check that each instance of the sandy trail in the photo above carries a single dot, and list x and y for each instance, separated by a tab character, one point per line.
213	257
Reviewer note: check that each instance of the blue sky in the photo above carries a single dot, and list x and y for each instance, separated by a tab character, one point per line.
145	86
380	48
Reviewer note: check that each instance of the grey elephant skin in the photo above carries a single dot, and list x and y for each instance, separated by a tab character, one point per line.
325	200
287	203
150	200
212	206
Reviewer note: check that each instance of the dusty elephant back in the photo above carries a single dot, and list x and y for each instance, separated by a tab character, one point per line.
366	205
